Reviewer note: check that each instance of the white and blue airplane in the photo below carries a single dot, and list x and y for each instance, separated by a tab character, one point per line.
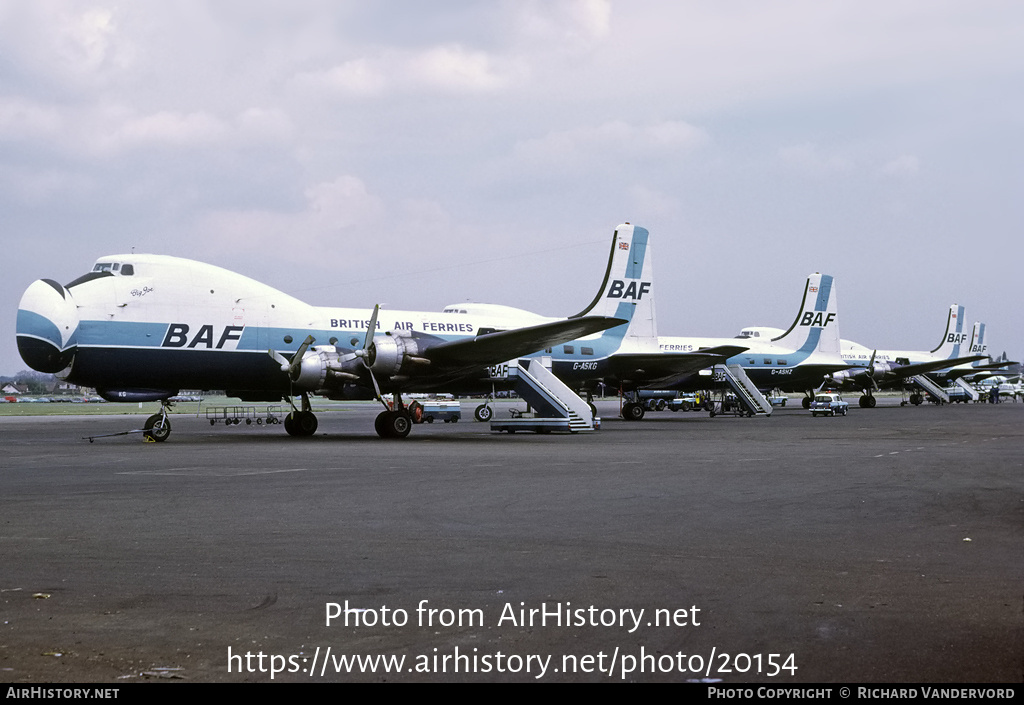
143	327
873	369
626	357
979	369
793	360
637	358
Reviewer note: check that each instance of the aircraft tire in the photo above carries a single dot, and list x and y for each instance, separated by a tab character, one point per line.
307	423
483	413
393	424
300	424
806	402
156	430
633	412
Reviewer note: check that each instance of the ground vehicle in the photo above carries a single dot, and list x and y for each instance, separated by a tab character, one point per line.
829	405
447	411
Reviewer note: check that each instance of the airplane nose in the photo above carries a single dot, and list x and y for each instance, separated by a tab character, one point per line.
47	327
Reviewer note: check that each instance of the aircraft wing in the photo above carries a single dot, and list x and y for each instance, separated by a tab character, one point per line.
992	369
668	366
921	367
494	348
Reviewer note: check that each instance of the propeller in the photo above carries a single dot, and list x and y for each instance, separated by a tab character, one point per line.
292	366
366	352
871	370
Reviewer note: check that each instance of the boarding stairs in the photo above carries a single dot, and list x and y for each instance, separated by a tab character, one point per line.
970	391
929	386
747	393
549	396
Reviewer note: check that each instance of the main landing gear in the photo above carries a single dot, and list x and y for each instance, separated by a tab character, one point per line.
396	422
868	401
393	423
301	423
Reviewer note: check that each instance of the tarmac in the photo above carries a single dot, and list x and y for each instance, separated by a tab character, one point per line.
881	547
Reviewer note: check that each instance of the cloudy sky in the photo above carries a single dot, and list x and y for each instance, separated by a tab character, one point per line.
424	153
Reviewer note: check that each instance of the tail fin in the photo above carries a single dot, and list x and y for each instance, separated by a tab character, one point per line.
816	327
954	337
627	290
979	346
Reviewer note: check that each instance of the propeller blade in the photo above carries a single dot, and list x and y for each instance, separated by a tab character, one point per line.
371	329
293	368
871	370
280	359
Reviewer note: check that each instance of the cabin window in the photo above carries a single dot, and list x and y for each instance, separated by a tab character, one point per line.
587	351
767	361
782	362
569	350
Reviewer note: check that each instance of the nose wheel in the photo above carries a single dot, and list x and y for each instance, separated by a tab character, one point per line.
158	427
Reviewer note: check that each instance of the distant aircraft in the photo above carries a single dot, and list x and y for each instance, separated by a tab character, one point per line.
792	360
636	358
143	327
625	357
873	369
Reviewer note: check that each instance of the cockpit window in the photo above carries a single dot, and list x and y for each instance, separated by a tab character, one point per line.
126	270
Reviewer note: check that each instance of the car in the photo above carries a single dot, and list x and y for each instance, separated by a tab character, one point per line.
829	404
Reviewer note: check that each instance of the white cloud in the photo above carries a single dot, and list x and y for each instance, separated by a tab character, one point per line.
565	23
445	69
612	140
171	129
809	158
357	77
455	68
653	204
341	222
86	38
22	118
904	165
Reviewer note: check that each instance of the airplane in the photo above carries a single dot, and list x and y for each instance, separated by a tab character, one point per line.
641	360
624	357
791	360
141	327
979	369
872	369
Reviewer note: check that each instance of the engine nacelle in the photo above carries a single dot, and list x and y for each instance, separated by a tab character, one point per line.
312	371
881	370
325	368
862	375
390	355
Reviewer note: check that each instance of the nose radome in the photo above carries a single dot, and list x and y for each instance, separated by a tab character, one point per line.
47	326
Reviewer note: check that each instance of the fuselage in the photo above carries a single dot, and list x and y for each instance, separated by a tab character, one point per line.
160	323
